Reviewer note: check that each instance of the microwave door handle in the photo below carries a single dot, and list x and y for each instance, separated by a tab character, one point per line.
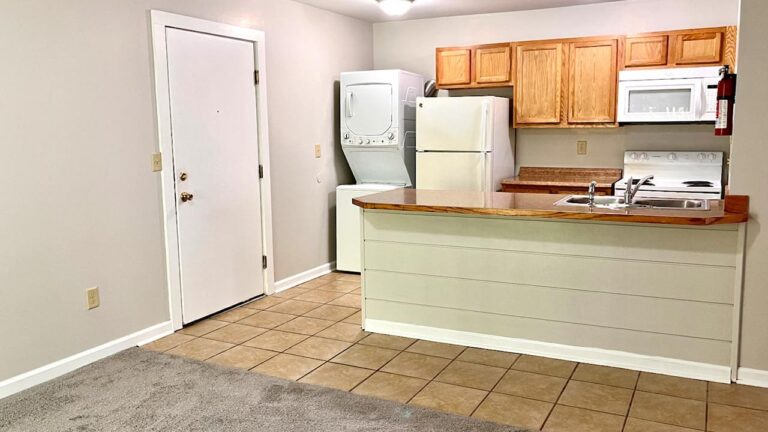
699	100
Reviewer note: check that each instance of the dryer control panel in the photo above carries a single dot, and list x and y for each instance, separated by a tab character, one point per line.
388	139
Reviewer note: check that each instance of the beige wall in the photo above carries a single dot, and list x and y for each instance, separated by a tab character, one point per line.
79	206
748	175
411	45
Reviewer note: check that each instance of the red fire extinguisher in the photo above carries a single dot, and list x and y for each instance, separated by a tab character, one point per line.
726	97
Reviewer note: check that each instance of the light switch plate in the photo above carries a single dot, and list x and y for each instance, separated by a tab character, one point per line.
92	295
157	162
581	147
317	150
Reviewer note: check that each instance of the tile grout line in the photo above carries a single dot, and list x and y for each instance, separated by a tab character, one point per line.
431	380
554	405
380	367
631	401
706	408
493	386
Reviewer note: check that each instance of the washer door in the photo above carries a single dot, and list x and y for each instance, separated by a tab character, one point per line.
368	109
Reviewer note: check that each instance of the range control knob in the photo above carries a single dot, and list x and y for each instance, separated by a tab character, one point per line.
367	141
633	156
712	156
644	156
672	156
346	136
701	156
391	136
360	141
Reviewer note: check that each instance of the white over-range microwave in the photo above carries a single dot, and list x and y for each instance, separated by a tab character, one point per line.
668	95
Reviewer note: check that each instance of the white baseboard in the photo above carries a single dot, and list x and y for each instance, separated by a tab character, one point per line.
753	377
662	365
65	365
298	279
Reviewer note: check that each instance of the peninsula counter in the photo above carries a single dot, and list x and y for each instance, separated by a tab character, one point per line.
653	290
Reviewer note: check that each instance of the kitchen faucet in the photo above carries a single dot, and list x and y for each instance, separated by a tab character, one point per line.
630	192
591	193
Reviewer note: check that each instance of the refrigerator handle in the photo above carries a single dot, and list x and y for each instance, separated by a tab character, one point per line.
348	105
484	132
484	126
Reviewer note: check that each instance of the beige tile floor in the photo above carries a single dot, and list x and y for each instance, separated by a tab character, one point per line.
312	334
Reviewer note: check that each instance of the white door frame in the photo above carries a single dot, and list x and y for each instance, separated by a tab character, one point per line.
160	21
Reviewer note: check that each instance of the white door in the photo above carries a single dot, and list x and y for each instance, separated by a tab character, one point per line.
368	108
452	171
216	160
453	124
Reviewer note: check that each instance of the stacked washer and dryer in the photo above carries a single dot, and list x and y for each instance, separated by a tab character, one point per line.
378	137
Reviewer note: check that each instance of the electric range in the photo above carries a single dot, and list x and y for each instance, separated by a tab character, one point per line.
676	174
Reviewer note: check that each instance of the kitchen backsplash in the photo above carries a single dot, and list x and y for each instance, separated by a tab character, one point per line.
606	147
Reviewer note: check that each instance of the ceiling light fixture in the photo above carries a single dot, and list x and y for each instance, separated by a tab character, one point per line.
395	7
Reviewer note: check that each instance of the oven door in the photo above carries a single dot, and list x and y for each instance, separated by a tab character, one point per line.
660	101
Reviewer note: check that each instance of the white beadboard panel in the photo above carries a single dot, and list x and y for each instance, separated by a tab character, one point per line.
649	314
694	245
644	278
650	344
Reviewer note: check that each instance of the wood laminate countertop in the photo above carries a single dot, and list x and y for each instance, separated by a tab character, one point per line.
564	177
734	209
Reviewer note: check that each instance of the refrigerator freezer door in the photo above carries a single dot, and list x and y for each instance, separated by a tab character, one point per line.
453	124
368	108
452	171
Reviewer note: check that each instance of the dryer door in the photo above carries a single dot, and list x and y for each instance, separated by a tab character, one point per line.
368	109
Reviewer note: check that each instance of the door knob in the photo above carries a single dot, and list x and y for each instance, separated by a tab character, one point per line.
186	196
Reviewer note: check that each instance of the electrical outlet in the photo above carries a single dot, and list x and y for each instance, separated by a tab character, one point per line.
581	147
157	162
317	151
93	297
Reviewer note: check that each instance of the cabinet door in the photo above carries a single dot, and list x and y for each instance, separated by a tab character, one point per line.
592	79
453	66
701	47
538	83
492	64
645	51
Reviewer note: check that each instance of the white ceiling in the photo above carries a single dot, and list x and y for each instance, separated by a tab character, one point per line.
368	10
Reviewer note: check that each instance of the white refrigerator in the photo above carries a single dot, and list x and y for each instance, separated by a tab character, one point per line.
463	143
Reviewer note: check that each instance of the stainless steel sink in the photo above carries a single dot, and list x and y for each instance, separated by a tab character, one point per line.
600	201
672	203
618	202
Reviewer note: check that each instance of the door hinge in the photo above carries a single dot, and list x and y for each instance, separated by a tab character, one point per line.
256	77
261	171
263	261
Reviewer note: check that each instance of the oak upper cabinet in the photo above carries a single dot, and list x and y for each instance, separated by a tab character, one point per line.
454	66
592	78
538	83
681	48
645	51
492	64
697	47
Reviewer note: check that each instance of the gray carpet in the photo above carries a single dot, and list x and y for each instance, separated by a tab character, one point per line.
138	390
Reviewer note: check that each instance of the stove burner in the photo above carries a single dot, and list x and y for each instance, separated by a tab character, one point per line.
698	183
